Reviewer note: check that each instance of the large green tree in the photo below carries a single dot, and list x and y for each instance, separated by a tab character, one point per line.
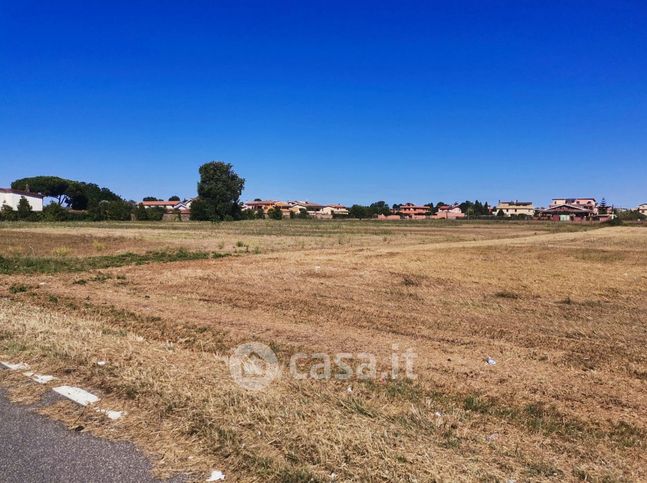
51	186
77	195
219	192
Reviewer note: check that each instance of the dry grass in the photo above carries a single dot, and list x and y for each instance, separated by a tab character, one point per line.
563	312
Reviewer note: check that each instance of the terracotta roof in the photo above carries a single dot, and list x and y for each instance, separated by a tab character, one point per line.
260	203
563	208
22	193
159	203
412	206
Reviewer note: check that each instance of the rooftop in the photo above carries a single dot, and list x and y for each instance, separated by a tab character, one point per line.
22	193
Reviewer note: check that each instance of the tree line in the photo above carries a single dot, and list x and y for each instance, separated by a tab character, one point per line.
470	208
219	191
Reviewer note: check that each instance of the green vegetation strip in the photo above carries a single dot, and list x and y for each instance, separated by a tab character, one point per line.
11	265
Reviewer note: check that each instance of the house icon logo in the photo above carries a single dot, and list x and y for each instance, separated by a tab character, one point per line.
253	366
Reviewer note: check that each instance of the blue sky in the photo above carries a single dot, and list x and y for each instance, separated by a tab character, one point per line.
333	101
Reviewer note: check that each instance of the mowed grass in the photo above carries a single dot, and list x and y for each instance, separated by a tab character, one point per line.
562	310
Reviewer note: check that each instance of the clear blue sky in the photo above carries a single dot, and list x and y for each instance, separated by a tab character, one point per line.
333	101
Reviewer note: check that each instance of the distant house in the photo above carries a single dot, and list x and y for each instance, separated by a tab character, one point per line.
586	203
174	210
515	208
446	212
642	209
159	204
295	207
10	197
334	210
256	205
567	212
412	212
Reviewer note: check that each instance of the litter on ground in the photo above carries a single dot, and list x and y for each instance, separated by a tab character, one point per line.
216	475
14	367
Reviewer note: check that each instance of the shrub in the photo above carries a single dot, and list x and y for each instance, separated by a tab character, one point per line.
7	213
275	213
54	212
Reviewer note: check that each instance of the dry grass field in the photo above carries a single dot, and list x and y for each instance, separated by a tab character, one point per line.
562	309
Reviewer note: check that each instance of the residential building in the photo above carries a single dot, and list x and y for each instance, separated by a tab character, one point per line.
412	212
159	204
10	197
446	212
587	203
642	209
515	208
334	210
312	208
175	210
256	205
567	212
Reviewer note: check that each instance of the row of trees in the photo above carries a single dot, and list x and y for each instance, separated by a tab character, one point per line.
103	210
77	195
470	208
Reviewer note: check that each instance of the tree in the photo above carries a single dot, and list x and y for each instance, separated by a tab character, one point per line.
77	195
174	198
54	212
24	209
140	213
220	189
50	186
150	198
7	213
380	208
359	211
111	210
85	196
199	210
603	209
275	213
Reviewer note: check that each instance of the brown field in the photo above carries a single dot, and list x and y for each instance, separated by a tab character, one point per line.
562	309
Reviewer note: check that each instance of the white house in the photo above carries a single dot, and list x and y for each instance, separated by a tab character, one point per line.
643	209
336	210
515	208
11	198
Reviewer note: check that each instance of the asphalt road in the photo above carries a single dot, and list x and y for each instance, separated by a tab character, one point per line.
34	448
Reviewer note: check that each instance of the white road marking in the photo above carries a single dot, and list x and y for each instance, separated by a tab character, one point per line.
14	367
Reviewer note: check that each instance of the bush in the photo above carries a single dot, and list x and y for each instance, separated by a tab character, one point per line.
7	213
55	212
24	209
200	210
633	215
110	210
275	213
